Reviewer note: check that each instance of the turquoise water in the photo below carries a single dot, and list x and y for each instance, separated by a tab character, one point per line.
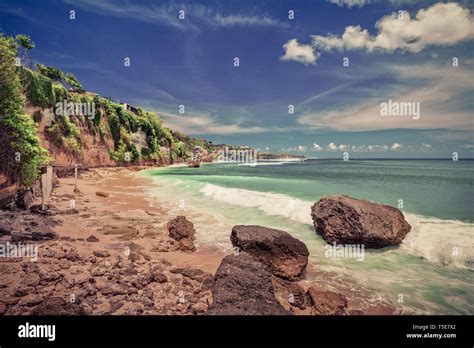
432	268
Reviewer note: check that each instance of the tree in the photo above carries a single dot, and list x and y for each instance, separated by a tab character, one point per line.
27	44
71	80
49	71
20	149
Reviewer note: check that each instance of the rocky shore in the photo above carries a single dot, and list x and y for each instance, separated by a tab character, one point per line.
105	249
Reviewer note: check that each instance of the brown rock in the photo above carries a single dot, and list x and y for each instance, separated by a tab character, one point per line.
192	273
326	302
101	253
31	279
134	257
57	306
102	194
186	245
345	220
30	300
181	228
243	286
160	277
290	294
199	307
22	290
72	256
92	239
287	257
3	308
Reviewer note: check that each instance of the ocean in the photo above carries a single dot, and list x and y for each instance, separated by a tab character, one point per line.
431	272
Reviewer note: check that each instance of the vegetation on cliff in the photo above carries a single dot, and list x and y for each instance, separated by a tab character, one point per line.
20	149
138	135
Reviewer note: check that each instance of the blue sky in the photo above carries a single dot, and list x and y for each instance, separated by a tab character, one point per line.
403	56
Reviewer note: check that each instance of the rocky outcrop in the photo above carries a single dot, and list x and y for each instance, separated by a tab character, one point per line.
243	286
182	230
289	294
57	306
325	302
346	220
286	257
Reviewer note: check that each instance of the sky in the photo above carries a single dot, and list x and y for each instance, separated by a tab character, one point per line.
311	79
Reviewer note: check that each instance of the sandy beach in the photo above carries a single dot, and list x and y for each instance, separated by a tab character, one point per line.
106	253
112	254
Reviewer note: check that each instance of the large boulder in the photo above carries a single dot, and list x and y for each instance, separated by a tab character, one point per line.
346	220
181	228
325	302
286	257
243	286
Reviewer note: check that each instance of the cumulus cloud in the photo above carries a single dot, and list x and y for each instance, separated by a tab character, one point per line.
441	24
331	147
299	53
316	147
301	148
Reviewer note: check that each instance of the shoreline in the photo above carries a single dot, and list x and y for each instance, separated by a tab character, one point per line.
125	221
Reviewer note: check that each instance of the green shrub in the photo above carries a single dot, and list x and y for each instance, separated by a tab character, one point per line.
60	93
38	88
20	149
54	134
72	145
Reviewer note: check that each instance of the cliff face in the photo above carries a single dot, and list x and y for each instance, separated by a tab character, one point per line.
95	151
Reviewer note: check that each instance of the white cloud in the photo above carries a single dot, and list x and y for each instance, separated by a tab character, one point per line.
301	148
376	147
316	147
350	3
205	124
444	91
299	53
396	146
343	147
242	20
441	24
167	14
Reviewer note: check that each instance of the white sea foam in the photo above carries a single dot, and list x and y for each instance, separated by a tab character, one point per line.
270	203
448	242
258	164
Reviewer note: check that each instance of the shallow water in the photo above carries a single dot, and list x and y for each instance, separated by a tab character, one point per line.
432	268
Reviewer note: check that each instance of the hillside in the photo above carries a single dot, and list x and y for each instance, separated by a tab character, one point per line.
115	134
75	126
